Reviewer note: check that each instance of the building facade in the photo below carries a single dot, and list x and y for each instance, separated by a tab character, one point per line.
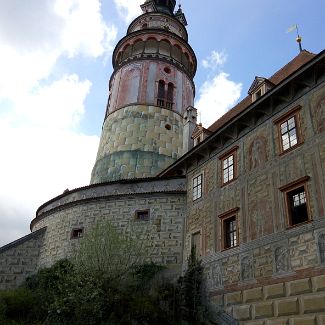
248	192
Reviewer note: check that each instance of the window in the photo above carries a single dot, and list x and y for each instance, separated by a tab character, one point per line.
77	233
197	187
161	93
229	166
288	130
170	96
165	98
229	229
142	215
296	199
196	243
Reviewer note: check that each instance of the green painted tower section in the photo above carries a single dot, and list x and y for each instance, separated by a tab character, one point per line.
150	91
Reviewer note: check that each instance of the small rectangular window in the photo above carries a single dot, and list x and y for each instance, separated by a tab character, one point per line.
229	166
229	228
296	199
77	233
289	131
197	187
142	215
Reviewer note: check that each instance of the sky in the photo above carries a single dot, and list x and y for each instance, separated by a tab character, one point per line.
55	63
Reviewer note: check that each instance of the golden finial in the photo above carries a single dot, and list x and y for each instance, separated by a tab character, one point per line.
298	38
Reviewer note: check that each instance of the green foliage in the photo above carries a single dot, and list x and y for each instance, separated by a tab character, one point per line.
17	306
192	305
107	281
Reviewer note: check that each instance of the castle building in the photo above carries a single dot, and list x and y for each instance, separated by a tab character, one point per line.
248	192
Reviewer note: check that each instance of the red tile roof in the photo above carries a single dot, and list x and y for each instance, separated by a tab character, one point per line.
301	59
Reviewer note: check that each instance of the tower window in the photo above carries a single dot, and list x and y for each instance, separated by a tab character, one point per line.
170	96
165	99
161	93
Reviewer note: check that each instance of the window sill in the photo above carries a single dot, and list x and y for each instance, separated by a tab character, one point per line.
228	248
225	184
291	149
299	224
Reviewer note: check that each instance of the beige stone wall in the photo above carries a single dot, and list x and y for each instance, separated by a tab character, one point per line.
163	232
269	251
20	259
138	141
292	302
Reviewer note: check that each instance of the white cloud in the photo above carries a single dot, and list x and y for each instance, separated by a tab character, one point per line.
41	154
215	60
47	30
216	97
218	93
128	9
42	151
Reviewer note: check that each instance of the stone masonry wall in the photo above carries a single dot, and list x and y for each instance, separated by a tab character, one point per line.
138	141
163	231
20	259
269	250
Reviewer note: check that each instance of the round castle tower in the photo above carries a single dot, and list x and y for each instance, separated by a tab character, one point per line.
151	93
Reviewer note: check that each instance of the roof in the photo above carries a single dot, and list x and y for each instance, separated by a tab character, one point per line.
301	59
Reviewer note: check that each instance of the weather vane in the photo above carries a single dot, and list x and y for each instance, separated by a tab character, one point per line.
298	38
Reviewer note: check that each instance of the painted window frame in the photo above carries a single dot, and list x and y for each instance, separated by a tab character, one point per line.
295	114
287	191
232	152
224	218
196	196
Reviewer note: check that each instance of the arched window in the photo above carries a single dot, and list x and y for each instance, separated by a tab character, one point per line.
161	93
170	96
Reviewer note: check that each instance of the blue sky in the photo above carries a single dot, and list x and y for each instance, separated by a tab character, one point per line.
55	66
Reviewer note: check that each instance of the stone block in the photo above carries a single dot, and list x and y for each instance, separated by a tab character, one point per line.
217	300
254	322
299	287
286	307
274	291
277	321
242	312
233	298
320	319
255	294
303	320
314	303
319	283
263	310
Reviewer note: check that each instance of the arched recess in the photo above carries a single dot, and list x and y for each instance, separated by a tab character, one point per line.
126	52
151	46
164	47
138	47
119	57
177	53
185	60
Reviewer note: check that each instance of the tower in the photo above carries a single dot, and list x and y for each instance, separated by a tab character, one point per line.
150	91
